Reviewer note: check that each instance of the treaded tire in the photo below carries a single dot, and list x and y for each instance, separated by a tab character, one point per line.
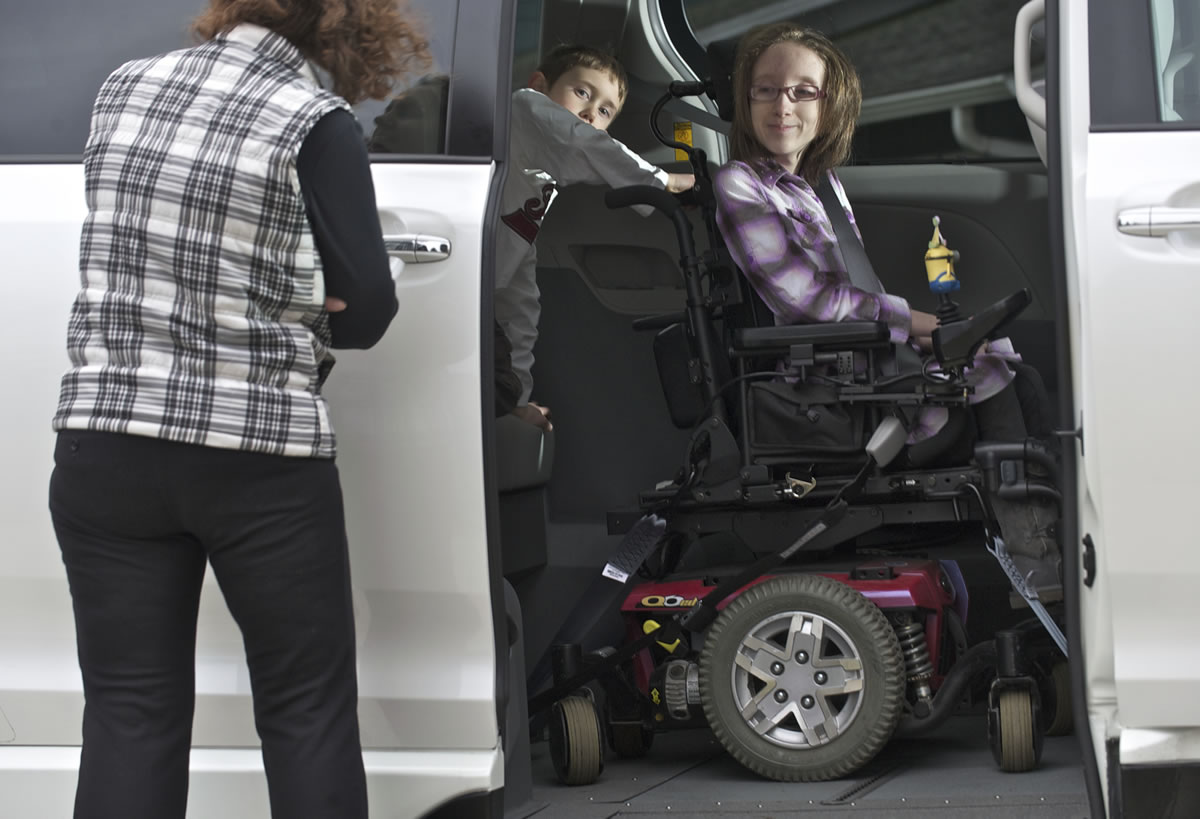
796	747
1062	722
1018	752
629	740
576	744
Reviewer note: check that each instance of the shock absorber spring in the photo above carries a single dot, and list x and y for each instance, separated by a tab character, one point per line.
916	651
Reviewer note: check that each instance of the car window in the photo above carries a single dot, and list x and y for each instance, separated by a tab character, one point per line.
414	120
936	74
527	41
1176	32
55	53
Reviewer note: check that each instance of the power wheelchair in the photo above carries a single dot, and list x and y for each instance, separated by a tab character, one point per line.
768	589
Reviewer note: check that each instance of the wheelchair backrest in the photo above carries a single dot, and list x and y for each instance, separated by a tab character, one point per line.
676	351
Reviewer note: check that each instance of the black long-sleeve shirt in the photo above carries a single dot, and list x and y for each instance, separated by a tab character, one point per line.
335	181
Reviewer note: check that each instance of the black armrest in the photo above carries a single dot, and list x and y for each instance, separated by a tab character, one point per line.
819	335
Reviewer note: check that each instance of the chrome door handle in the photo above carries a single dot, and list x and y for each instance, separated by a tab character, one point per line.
416	247
1157	220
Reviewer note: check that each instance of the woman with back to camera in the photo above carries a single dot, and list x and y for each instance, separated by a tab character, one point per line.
796	102
231	241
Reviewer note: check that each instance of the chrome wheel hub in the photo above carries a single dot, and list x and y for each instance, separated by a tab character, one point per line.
797	680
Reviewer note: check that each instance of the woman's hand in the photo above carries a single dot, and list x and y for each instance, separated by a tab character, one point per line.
334	305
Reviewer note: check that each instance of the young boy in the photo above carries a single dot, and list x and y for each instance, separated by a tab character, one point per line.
558	138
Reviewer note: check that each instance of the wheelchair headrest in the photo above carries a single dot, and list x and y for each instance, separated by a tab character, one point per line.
721	55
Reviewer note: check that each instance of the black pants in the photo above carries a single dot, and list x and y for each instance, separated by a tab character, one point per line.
1020	410
138	520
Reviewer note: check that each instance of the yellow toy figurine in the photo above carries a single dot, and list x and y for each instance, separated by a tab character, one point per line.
939	262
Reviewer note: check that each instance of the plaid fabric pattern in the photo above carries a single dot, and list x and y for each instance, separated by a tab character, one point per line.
201	313
779	235
777	231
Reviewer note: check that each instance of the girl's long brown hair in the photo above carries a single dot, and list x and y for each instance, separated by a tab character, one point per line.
839	107
364	45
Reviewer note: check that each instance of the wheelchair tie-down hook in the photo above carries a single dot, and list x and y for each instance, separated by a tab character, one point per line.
798	488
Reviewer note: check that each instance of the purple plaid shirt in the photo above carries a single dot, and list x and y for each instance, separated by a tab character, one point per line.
779	235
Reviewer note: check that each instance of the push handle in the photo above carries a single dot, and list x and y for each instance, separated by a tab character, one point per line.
664	203
1032	104
656	198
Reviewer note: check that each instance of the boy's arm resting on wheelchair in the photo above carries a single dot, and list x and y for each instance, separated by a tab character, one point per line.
758	228
572	151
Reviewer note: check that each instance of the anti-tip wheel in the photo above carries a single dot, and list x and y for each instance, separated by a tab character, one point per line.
576	741
630	740
1015	731
1061	722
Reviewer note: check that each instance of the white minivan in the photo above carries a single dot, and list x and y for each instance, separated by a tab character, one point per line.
470	543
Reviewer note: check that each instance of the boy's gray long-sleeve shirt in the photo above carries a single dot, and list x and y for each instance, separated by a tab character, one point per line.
548	146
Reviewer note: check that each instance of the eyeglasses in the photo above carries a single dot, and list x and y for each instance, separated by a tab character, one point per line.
795	93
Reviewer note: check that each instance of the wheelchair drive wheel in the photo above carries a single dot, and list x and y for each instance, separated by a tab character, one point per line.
802	679
576	741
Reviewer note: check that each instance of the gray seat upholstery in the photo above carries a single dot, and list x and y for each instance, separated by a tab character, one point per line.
524	458
524	454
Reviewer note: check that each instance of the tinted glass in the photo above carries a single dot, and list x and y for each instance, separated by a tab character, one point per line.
55	53
936	74
1176	31
528	37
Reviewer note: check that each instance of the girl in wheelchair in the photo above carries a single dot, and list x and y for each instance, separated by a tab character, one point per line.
788	225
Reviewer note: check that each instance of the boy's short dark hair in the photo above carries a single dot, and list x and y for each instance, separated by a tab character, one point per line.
565	57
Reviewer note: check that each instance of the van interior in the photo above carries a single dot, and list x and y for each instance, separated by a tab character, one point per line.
599	269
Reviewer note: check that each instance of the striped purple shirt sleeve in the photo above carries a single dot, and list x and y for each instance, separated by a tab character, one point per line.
779	235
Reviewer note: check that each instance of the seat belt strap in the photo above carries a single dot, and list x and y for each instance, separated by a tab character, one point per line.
862	275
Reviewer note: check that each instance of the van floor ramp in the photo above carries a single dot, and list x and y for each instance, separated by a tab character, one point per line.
948	773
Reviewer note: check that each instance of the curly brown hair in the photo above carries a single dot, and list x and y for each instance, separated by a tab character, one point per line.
364	45
839	107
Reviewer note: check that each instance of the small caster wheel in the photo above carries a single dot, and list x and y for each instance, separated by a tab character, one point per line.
576	744
1012	730
630	740
1060	722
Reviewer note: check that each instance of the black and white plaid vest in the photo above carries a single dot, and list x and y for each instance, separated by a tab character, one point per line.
201	315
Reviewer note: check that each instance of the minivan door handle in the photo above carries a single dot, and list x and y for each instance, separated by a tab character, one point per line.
416	247
1157	220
